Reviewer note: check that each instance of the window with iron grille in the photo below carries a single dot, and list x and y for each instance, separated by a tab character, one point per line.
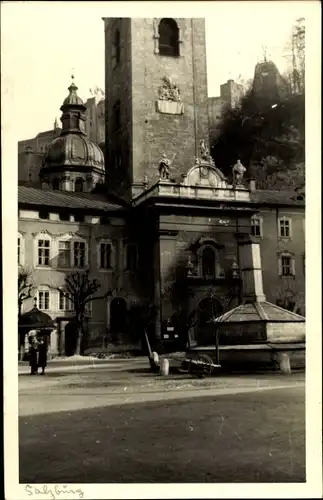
44	252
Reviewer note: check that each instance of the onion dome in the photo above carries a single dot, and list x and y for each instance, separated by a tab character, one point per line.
73	150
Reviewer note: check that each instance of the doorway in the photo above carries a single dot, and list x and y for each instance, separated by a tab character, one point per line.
118	318
70	338
207	309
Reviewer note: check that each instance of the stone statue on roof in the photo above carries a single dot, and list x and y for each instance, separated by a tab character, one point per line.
204	150
238	171
164	168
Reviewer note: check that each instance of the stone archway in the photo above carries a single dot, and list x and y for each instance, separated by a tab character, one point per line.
207	308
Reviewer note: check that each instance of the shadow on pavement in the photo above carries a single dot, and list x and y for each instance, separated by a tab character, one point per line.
196	440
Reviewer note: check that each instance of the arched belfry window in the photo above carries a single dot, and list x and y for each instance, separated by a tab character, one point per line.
168	38
78	185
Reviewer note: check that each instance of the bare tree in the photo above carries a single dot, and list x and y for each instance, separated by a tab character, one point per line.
80	289
295	55
25	288
289	298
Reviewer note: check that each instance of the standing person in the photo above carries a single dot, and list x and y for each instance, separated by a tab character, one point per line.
33	352
42	352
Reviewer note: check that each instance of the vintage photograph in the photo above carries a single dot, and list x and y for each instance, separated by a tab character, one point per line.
161	267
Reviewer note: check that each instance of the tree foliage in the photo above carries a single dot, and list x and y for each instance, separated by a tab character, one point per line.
25	288
295	57
267	133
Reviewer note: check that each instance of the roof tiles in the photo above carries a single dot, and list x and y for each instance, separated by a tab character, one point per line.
259	311
45	197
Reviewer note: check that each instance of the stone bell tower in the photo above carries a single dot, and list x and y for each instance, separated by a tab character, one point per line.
156	99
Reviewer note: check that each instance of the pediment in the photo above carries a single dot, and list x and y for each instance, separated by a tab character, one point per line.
205	174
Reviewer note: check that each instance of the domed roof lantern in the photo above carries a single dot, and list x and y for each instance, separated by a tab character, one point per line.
72	151
73	108
72	99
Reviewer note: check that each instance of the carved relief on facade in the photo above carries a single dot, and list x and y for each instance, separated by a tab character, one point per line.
169	98
204	172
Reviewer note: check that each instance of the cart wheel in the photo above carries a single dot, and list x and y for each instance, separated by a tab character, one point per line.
203	366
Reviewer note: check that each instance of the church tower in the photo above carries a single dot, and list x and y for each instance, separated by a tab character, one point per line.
156	99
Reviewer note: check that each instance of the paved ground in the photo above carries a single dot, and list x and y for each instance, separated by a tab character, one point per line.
113	421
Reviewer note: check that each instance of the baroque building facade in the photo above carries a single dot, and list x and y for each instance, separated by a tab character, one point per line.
158	223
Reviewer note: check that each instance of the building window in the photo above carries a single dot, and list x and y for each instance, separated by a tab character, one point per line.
117	158
208	262
43	252
79	254
104	220
64	254
131	257
56	184
64	217
78	217
116	48
256	226
116	116
168	38
78	186
65	302
105	256
286	265
43	300
43	214
285	227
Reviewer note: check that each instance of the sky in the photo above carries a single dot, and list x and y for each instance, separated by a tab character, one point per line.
43	43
